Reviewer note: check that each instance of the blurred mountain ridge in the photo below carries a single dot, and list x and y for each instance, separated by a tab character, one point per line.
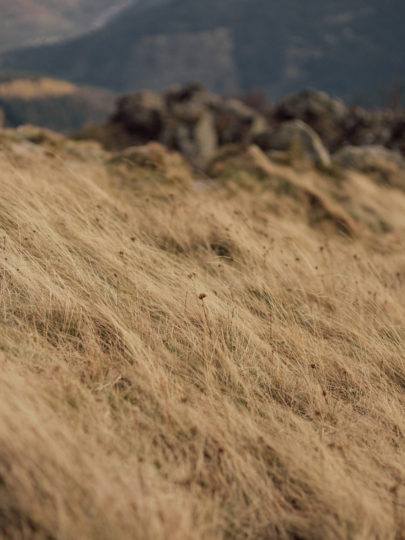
25	22
349	49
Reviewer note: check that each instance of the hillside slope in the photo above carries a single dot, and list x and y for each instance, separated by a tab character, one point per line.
24	22
350	49
198	359
51	103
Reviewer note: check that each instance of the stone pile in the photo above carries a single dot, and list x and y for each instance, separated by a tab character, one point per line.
190	120
338	124
309	125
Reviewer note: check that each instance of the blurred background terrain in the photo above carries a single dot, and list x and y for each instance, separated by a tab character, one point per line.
28	22
351	49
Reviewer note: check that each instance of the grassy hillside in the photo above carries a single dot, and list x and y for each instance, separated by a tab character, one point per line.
51	103
221	358
352	49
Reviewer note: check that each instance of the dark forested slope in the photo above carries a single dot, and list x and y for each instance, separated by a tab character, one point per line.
349	48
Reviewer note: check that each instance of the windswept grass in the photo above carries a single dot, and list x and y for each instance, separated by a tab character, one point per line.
198	362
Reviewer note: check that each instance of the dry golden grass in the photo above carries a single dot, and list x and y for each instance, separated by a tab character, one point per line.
134	406
34	89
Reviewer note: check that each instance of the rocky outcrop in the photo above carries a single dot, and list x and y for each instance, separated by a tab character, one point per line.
297	138
188	119
194	122
236	123
327	116
338	124
311	105
141	115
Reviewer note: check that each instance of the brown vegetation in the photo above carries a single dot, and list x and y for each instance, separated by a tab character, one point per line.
206	359
30	89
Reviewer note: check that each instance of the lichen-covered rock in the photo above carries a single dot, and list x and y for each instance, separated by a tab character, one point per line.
298	138
141	114
338	124
193	121
326	115
190	93
310	105
236	123
363	128
188	119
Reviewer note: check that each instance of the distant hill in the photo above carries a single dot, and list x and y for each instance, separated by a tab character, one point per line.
352	49
51	103
24	23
